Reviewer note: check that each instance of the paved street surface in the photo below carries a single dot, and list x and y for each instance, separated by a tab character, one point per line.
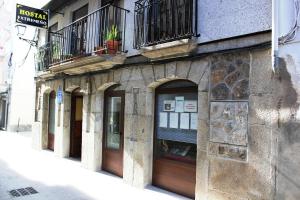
60	179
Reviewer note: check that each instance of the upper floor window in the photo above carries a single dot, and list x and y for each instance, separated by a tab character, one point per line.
52	29
81	12
112	2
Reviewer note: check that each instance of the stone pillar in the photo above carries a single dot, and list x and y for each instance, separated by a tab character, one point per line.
62	131
86	148
142	138
92	131
129	140
137	138
65	124
44	123
96	131
202	142
148	138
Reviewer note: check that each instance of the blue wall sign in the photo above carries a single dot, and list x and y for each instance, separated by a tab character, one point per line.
59	96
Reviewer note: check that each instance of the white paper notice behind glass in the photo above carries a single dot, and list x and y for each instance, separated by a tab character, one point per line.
163	120
194	121
190	106
173	120
179	104
184	120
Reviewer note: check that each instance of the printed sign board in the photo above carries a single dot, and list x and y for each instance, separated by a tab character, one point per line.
31	16
169	105
190	106
59	96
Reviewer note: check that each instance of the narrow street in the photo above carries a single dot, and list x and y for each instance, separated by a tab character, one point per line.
59	179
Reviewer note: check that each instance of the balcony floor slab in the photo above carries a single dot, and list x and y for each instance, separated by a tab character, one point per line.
88	64
169	49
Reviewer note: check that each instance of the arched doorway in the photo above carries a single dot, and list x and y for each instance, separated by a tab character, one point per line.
76	124
51	121
113	137
175	137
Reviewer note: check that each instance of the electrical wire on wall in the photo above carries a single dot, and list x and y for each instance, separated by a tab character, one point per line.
291	35
26	56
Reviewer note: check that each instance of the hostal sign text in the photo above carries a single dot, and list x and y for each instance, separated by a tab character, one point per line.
31	16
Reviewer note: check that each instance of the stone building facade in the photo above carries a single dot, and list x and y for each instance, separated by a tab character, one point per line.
236	119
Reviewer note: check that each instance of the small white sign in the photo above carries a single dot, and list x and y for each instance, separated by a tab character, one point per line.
163	120
169	105
173	120
184	120
194	121
190	106
179	104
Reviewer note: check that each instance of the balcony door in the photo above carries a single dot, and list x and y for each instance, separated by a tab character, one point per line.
111	2
79	31
113	139
51	32
76	125
51	121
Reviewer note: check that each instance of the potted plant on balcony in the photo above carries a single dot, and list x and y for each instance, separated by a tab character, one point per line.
112	40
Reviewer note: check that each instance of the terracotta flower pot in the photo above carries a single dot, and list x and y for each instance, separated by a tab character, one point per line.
112	46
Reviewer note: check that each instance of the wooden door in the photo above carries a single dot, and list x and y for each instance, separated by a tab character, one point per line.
51	121
175	138
113	140
76	125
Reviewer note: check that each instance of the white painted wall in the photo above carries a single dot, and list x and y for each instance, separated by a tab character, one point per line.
6	8
21	109
217	19
288	174
290	51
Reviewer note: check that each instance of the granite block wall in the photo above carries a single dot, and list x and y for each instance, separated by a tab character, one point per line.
234	138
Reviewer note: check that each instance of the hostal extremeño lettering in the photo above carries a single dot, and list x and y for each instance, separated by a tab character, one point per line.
32	14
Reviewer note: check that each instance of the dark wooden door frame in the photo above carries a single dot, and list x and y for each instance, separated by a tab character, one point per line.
107	94
74	96
168	162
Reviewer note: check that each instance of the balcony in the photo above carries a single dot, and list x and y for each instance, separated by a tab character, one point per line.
91	43
165	28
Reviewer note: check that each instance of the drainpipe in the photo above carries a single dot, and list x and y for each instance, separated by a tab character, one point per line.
275	36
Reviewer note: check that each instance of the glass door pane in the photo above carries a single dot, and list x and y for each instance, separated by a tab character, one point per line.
176	130
113	118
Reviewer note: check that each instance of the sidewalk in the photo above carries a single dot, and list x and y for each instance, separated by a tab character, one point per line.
60	179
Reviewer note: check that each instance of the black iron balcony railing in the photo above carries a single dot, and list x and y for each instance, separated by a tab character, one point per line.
100	32
160	21
42	58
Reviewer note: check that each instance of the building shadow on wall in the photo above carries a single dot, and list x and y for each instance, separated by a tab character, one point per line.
288	167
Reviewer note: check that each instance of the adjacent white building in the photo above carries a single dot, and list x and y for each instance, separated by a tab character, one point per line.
17	71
